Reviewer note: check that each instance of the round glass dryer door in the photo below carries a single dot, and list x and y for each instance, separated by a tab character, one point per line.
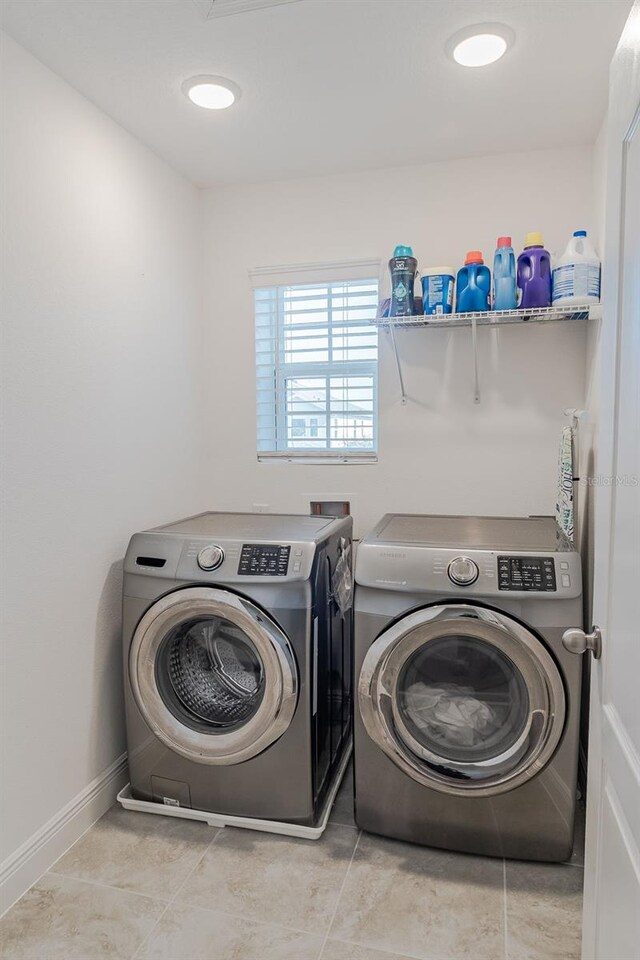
463	699
213	676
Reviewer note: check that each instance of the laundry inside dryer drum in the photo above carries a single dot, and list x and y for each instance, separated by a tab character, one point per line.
213	671
462	699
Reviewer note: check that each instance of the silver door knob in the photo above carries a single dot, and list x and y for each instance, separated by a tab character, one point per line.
576	640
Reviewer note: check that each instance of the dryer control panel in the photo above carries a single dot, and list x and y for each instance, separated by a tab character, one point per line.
448	571
526	573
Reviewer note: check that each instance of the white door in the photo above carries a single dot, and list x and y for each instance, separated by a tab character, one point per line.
611	929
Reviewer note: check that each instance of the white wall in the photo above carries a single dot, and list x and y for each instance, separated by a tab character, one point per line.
103	425
440	453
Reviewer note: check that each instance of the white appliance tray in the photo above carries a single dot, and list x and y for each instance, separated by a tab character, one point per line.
247	823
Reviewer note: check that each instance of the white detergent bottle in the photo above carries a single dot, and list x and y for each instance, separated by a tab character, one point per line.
576	276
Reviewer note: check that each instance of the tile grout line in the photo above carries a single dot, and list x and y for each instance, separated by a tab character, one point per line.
236	916
339	897
177	891
367	946
504	908
111	886
50	869
100	883
243	917
198	907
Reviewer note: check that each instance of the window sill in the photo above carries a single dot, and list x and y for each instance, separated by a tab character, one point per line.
317	458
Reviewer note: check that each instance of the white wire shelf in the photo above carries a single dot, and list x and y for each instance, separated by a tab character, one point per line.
488	318
493	318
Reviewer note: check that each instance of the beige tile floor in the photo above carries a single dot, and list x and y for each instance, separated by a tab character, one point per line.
139	887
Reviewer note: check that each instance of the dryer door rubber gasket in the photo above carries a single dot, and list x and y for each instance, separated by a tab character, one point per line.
463	699
213	676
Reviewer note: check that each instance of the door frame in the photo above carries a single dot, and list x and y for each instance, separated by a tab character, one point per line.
622	121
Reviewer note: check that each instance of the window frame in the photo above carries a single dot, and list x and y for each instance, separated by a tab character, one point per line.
272	376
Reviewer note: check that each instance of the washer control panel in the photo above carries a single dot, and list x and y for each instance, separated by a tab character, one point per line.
264	560
527	573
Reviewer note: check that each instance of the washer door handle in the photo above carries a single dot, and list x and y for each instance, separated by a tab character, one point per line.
577	641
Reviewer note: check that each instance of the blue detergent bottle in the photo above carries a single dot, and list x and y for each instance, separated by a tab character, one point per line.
403	267
473	284
505	293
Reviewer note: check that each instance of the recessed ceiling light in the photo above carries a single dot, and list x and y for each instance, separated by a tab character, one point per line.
481	44
212	93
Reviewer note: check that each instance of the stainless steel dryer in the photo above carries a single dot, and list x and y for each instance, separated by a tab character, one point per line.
237	663
467	719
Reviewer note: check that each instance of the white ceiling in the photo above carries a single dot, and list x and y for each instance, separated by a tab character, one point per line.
329	85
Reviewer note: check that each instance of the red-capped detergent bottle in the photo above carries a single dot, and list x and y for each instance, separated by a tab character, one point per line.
473	284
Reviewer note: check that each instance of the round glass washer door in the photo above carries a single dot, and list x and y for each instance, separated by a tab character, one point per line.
213	676
463	699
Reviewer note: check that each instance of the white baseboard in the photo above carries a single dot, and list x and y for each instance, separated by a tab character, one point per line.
23	867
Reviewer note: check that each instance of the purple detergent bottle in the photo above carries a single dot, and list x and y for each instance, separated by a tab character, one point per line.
534	273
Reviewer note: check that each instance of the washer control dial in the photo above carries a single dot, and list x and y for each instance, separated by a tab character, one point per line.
463	571
210	557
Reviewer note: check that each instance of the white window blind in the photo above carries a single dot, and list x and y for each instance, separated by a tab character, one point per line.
317	370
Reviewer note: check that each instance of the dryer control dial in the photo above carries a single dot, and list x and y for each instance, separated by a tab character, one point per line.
210	557
463	571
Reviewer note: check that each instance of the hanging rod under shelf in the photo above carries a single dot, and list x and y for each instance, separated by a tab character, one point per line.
493	318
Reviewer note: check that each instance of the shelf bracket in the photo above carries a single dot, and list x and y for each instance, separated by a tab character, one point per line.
403	392
476	378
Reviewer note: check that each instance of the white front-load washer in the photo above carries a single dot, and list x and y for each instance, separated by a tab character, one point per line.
467	706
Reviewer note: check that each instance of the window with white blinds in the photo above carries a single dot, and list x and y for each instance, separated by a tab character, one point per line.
317	370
